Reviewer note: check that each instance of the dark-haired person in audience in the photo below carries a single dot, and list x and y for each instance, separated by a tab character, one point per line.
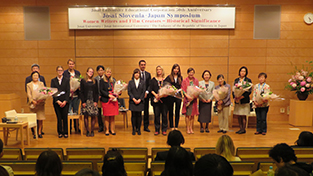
261	109
178	163
113	164
242	103
283	154
7	168
36	106
175	79
60	103
305	139
4	172
100	71
288	170
136	92
175	138
213	165
48	164
33	68
74	96
87	172
146	77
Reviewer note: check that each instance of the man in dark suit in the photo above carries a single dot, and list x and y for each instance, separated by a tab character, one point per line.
146	77
35	67
174	139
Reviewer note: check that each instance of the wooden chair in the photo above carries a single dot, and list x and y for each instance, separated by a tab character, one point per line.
133	153
155	150
256	154
133	168
199	152
21	168
304	154
122	109
85	154
70	168
33	153
12	154
157	168
243	168
78	117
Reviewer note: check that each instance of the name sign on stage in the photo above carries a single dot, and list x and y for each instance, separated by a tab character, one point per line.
156	17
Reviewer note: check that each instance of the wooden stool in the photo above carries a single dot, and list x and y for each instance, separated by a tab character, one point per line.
81	123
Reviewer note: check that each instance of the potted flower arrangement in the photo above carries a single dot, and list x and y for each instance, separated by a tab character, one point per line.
301	82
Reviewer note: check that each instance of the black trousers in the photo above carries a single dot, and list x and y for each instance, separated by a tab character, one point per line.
146	113
61	118
170	108
160	109
136	120
100	122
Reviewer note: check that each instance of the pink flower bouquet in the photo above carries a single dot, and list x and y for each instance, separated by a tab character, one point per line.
301	82
168	90
204	95
193	92
240	88
220	94
43	94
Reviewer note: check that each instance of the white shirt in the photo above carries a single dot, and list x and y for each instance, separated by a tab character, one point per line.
137	82
60	80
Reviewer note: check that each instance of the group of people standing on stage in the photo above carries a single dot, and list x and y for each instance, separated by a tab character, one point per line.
142	88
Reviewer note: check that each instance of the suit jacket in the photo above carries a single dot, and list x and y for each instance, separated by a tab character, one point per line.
147	80
85	88
30	92
67	75
105	89
154	86
137	93
161	156
246	95
98	78
65	86
29	79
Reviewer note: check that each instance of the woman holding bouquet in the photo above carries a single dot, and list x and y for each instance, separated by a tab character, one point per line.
261	106
89	96
61	103
109	101
36	106
190	106
223	113
136	92
205	101
242	103
175	79
158	103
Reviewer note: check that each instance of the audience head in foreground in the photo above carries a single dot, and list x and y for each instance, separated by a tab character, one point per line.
283	154
87	172
113	164
305	139
226	148
213	165
175	138
48	163
178	163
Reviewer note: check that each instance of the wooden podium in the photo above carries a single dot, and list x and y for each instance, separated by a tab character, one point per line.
301	113
9	102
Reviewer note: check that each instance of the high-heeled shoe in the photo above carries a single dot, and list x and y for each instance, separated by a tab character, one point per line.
39	135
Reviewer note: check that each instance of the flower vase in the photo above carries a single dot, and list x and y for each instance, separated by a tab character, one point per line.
302	96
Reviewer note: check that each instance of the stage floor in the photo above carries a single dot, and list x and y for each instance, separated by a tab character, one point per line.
278	132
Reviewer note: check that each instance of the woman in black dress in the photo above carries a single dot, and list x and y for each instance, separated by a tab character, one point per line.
89	97
136	92
159	105
174	79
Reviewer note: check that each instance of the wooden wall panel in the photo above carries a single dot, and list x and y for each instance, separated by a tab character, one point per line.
220	51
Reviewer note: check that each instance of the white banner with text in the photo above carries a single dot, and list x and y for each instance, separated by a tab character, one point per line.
195	17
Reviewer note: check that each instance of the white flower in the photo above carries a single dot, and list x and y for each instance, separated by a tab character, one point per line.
300	77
